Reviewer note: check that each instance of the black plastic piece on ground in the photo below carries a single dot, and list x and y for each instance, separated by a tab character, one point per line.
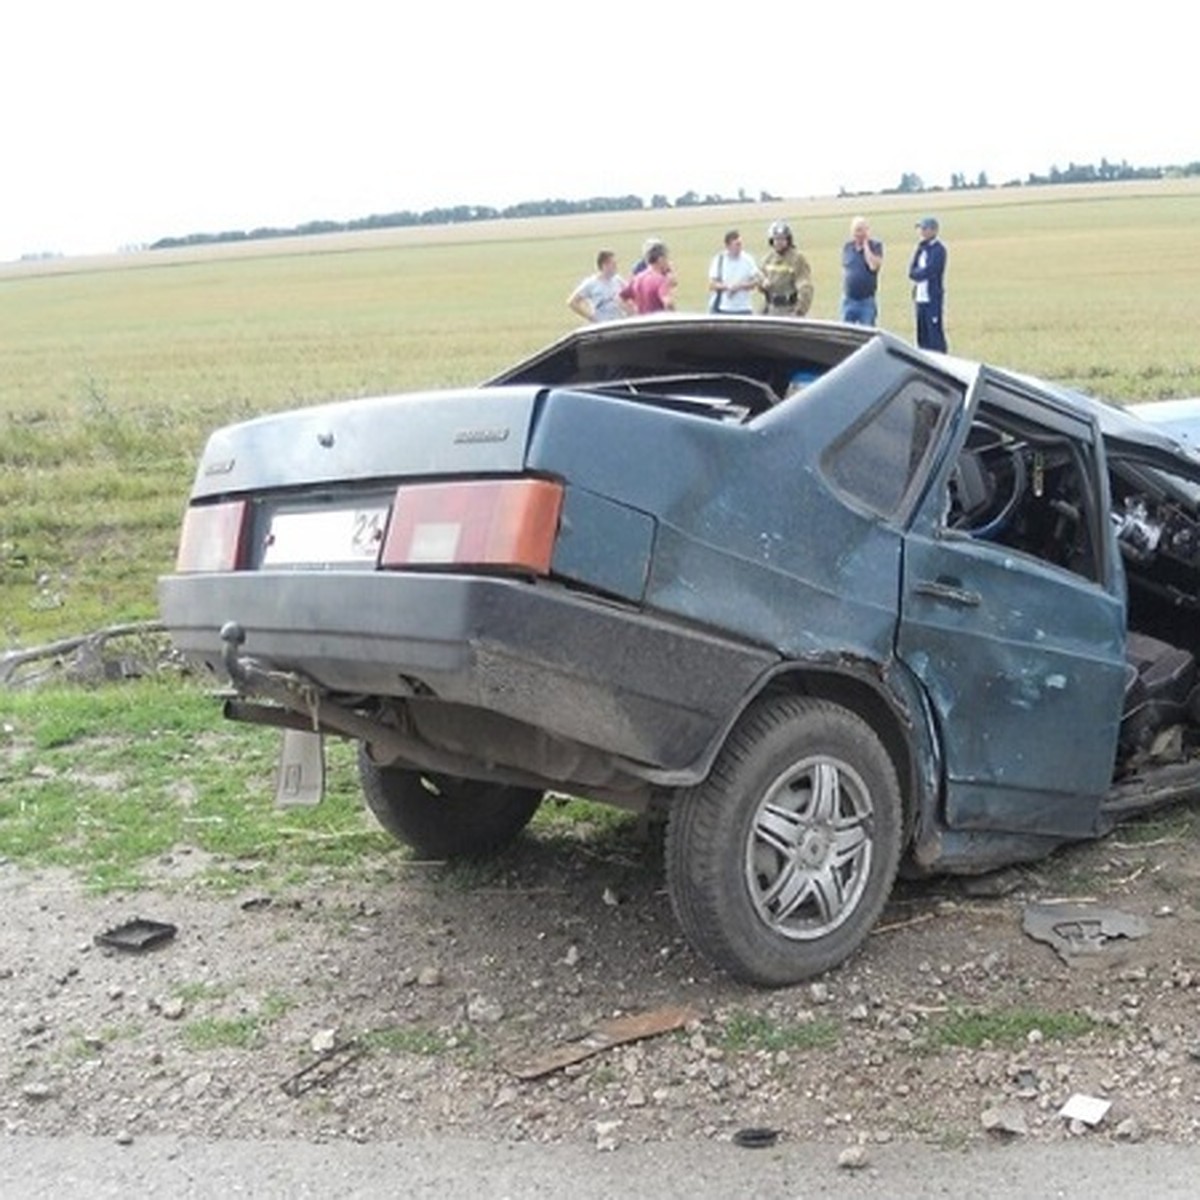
138	934
755	1139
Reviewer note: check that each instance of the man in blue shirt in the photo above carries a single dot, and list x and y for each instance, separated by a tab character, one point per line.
928	272
862	257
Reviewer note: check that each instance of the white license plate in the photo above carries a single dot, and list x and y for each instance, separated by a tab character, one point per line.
325	536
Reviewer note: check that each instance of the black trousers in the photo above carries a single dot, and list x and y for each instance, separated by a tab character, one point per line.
930	333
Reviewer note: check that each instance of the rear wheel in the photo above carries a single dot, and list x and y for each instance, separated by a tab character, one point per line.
782	860
440	816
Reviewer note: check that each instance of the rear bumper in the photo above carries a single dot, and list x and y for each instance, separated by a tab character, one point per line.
625	683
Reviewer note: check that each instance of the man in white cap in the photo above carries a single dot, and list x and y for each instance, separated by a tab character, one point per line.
928	273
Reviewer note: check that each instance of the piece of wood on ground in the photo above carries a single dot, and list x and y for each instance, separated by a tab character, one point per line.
606	1034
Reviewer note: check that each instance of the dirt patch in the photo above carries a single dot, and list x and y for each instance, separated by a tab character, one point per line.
445	981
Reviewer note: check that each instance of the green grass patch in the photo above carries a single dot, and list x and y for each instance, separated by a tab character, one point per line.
216	1033
243	1031
429	1043
195	993
569	818
756	1031
1008	1027
106	781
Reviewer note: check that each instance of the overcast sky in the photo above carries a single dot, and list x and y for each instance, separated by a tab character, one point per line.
124	121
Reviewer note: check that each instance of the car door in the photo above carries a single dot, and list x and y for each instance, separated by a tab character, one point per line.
1013	615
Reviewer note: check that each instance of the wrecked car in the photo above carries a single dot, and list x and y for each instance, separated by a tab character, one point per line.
837	606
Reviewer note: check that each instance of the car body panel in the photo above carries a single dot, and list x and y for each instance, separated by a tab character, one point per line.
1180	419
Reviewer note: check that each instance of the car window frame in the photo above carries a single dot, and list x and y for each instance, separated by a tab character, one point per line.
953	395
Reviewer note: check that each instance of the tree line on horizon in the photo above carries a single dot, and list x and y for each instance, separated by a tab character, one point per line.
910	183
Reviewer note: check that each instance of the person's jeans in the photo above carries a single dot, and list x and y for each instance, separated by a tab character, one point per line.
860	312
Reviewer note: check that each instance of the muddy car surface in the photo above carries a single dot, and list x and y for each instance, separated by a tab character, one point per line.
838	606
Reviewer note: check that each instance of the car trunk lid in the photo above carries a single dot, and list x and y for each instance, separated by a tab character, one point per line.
425	435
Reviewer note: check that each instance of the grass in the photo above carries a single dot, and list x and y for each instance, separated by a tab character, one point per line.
215	1033
113	371
970	1029
243	1031
757	1031
105	781
406	1039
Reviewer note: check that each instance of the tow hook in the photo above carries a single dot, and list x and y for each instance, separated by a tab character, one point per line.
234	637
250	678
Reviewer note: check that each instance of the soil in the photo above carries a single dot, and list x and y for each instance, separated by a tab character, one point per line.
416	993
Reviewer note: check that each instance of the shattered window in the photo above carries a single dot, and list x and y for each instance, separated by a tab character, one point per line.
878	460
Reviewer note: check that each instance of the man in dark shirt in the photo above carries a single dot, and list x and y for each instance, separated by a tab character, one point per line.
861	259
928	272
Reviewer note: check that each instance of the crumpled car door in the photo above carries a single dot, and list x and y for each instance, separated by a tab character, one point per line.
1021	658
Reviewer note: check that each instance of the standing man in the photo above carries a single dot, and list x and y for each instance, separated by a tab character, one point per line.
732	277
928	272
647	246
598	297
861	259
787	277
653	289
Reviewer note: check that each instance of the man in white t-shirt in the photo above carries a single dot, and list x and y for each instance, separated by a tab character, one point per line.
733	278
598	297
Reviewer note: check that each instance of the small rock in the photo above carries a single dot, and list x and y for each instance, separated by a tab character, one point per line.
37	1093
610	898
1130	1131
571	958
194	1086
482	1010
635	1097
819	993
606	1134
1005	1119
429	977
323	1041
172	1008
124	1138
717	1075
853	1158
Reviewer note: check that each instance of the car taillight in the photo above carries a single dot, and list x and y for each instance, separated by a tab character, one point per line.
487	523
212	537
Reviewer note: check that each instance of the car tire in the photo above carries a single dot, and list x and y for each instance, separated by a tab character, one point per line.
440	816
782	860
